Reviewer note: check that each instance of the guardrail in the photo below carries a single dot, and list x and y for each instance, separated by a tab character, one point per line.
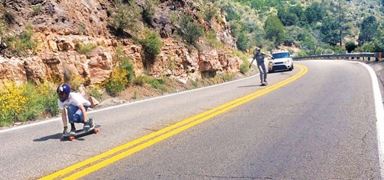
377	56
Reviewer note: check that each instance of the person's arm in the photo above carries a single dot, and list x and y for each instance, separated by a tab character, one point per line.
250	64
64	117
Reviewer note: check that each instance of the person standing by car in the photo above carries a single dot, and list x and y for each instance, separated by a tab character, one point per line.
259	57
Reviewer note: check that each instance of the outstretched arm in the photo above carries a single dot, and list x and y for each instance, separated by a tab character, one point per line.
250	64
64	117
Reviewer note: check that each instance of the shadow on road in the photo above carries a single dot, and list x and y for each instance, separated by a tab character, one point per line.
46	138
248	86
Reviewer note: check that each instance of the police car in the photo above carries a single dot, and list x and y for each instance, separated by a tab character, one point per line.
280	61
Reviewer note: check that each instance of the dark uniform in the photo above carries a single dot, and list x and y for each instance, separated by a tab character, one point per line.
259	57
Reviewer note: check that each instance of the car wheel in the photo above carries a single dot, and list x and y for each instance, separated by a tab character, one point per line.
290	69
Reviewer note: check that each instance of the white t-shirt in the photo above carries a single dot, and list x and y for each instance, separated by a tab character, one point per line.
75	99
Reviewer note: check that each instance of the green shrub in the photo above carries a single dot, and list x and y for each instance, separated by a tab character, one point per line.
85	48
20	45
125	18
231	13
227	76
149	10
210	12
212	39
152	45
242	41
117	82
26	102
244	68
190	31
125	63
36	9
350	46
140	80
95	91
156	83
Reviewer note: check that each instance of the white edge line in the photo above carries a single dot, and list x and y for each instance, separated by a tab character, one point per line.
127	104
379	115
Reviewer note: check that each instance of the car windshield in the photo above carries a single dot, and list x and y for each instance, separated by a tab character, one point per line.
280	55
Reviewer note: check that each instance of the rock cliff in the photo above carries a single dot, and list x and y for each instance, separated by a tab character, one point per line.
60	27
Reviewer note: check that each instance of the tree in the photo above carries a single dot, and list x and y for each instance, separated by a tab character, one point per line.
350	46
314	13
368	29
242	41
287	18
329	32
274	29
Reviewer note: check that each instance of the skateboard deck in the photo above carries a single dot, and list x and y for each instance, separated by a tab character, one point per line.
81	133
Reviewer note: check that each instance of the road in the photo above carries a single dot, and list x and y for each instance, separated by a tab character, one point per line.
320	126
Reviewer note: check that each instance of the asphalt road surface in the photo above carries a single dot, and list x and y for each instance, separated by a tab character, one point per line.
321	126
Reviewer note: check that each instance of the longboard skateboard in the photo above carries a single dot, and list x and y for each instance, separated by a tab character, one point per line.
81	133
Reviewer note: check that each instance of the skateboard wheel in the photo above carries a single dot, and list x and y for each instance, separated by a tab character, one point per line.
71	138
96	130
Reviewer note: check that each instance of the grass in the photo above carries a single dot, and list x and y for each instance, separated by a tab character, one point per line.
85	48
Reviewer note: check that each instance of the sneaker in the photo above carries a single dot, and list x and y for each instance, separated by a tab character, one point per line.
65	131
265	83
89	124
73	131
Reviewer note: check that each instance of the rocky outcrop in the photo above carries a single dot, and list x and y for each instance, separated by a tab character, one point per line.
61	27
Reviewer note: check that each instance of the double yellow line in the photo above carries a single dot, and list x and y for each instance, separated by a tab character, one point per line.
97	162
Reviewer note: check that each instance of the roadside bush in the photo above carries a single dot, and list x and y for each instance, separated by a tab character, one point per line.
227	76
125	63
12	102
156	83
244	67
41	100
95	91
140	80
350	46
26	102
117	82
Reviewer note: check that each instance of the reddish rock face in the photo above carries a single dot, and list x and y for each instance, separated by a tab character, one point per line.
62	26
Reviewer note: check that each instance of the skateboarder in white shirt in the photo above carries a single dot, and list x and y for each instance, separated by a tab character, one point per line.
73	108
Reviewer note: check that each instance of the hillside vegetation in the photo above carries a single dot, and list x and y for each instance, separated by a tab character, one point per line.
315	27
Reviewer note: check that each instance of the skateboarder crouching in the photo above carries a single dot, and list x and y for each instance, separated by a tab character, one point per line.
73	108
